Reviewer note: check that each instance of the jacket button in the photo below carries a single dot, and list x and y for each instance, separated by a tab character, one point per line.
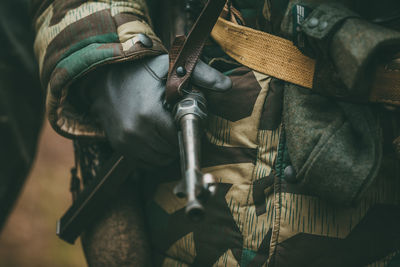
290	174
144	40
323	25
313	22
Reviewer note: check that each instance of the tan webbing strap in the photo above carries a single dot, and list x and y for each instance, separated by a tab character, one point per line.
265	53
279	58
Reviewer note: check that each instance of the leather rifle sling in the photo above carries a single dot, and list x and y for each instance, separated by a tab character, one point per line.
185	52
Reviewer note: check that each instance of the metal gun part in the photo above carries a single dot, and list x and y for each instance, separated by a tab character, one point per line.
190	114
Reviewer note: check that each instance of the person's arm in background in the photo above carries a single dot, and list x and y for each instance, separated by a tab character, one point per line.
21	102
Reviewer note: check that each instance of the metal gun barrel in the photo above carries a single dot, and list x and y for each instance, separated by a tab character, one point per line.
190	114
190	126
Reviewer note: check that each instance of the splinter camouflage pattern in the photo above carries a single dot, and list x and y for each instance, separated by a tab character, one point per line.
74	37
256	217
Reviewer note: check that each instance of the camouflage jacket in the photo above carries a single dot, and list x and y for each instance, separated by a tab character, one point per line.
257	218
75	37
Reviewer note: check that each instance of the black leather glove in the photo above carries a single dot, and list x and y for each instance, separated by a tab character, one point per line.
127	99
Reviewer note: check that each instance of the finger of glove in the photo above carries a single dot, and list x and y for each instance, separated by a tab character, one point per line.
165	126
158	66
207	77
147	130
137	140
162	134
162	119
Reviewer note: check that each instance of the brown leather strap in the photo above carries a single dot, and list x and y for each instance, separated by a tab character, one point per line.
184	55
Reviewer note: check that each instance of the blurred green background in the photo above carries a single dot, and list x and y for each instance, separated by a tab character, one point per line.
29	237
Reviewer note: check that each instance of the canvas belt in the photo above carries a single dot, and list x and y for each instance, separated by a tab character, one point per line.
280	58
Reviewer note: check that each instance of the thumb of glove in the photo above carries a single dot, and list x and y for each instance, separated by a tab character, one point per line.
209	78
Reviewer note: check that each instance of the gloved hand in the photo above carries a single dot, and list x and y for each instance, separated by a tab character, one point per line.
127	99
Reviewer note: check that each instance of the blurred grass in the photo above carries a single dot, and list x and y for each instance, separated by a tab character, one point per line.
29	237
